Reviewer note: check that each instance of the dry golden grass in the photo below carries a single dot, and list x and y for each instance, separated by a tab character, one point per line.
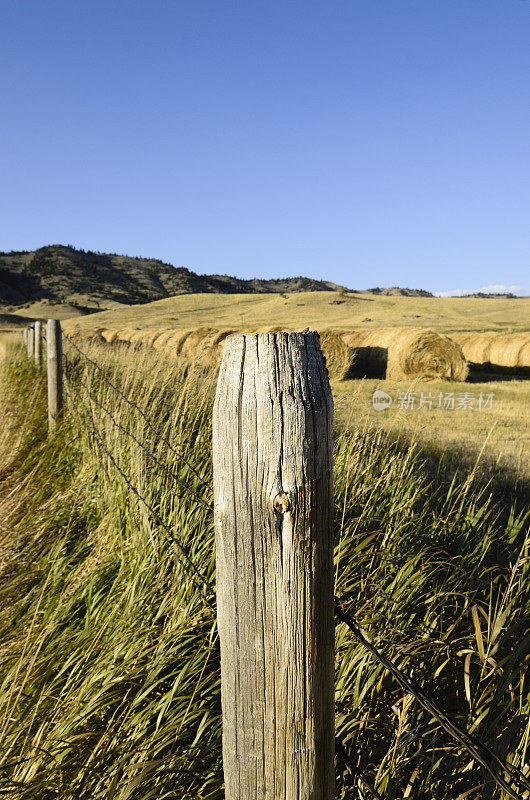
317	310
498	437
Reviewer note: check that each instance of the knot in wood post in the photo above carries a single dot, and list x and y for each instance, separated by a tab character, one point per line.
281	503
273	510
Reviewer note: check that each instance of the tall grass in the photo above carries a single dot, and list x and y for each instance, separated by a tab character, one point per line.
109	663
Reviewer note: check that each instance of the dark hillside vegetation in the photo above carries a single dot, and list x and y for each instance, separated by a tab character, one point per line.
59	273
109	667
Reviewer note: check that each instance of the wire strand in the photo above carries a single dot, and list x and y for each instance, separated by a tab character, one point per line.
476	749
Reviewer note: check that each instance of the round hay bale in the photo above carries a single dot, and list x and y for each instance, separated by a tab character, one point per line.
407	353
91	337
150	336
505	353
476	347
523	356
340	357
212	345
193	345
109	335
172	341
161	340
133	337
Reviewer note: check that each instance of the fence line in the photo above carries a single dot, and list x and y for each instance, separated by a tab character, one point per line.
198	577
480	752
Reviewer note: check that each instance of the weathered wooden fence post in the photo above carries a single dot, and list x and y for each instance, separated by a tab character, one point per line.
273	500
31	342
38	345
25	333
54	351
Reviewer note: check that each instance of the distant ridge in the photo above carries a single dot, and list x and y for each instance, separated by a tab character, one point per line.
397	291
61	273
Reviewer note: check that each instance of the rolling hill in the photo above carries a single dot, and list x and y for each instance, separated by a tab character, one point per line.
88	280
317	310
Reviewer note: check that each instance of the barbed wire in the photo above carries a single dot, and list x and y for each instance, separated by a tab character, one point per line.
476	749
140	444
155	514
134	405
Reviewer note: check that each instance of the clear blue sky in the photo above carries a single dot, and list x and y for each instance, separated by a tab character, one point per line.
370	142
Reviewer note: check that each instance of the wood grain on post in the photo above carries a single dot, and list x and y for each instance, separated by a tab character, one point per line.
273	499
31	342
38	345
54	351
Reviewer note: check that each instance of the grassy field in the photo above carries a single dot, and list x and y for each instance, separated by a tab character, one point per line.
499	437
109	670
317	310
20	316
494	441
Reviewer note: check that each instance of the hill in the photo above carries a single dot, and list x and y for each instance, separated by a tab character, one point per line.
317	310
59	274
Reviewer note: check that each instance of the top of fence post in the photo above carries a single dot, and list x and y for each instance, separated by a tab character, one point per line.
273	507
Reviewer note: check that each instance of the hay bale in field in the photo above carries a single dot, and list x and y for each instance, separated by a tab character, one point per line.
185	343
91	337
504	353
212	345
475	346
218	338
407	353
194	345
151	335
109	335
161	339
340	357
132	337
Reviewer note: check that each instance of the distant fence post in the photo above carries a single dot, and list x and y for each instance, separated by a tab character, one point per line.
31	342
54	352
38	345
273	507
25	336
